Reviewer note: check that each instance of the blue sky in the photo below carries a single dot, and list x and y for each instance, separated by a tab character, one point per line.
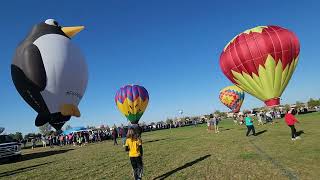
171	47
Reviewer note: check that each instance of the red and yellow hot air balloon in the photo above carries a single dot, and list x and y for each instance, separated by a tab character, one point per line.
232	97
261	61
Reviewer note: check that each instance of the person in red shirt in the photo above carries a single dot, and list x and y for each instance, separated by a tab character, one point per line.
291	120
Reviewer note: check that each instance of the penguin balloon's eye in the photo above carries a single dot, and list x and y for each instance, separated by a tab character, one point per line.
52	22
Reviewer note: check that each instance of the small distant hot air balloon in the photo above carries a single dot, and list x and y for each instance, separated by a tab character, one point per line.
232	97
261	61
132	101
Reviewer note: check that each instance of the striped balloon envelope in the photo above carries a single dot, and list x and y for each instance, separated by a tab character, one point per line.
232	97
132	101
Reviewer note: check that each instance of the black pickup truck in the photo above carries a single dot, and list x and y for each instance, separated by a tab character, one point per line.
9	148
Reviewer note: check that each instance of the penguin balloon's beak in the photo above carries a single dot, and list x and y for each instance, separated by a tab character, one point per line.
69	110
71	31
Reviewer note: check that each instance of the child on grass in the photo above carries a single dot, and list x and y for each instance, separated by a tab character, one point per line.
134	146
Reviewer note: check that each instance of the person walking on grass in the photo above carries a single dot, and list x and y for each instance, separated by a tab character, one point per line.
123	135
235	121
259	117
80	139
44	141
216	123
134	147
269	117
291	120
249	124
33	142
115	135
209	125
241	119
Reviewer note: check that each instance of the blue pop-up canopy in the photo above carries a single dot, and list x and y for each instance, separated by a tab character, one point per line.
72	130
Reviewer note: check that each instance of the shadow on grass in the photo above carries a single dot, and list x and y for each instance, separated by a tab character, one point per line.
261	132
21	170
298	133
36	155
155	140
163	176
29	146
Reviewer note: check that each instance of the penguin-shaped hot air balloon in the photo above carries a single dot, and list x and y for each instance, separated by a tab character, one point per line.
50	73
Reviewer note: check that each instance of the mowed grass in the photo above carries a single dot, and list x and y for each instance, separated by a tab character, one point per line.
186	153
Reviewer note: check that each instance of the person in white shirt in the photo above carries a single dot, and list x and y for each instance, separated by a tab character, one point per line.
259	116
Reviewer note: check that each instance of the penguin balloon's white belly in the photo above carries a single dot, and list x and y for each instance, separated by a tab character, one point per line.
66	71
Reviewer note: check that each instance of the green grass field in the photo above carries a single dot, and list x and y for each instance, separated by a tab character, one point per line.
186	153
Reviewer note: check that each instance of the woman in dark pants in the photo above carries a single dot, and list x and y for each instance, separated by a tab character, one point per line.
249	124
115	135
291	120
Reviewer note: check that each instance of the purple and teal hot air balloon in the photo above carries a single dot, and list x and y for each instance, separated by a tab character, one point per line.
132	101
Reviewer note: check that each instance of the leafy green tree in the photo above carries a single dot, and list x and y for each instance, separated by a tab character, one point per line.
18	136
287	107
29	136
313	102
299	105
169	121
45	129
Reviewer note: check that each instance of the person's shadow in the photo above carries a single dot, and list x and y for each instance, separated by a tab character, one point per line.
36	155
155	140
298	133
165	175
261	132
21	170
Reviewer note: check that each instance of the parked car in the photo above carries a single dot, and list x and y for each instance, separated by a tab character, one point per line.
9	148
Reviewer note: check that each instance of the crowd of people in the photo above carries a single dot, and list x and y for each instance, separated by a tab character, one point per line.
213	121
262	118
79	138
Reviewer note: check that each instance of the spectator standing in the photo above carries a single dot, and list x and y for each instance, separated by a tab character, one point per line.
291	120
249	124
115	135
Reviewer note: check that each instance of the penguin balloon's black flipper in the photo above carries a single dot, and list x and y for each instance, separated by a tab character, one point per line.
29	76
41	119
33	66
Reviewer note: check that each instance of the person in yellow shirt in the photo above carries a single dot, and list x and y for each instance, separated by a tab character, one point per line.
134	146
